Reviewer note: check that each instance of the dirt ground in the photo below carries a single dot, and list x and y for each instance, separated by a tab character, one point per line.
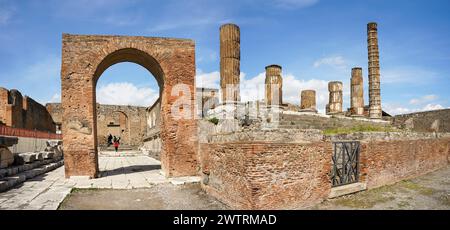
160	197
431	191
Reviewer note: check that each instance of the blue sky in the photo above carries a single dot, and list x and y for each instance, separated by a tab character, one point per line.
315	41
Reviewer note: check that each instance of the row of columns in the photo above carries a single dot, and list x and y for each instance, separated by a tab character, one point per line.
357	86
230	78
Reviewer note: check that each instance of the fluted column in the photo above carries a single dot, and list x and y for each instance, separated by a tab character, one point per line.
230	62
357	93
335	99
274	85
308	101
374	72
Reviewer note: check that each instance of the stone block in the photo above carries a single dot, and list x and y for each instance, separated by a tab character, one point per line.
3	186
48	155
6	157
347	189
39	156
28	157
8	141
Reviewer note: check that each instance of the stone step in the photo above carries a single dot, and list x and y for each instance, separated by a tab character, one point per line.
9	182
347	189
11	171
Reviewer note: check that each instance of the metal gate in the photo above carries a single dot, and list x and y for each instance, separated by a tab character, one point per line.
345	168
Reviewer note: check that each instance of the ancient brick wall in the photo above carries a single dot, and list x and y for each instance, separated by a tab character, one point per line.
36	116
429	121
127	122
171	61
388	162
249	174
267	175
24	112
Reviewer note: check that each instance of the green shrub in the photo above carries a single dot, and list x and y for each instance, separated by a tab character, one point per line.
358	128
214	120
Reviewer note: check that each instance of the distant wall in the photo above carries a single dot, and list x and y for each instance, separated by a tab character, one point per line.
28	140
127	122
429	121
24	112
124	121
152	141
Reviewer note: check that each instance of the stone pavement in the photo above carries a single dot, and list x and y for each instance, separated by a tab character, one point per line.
47	191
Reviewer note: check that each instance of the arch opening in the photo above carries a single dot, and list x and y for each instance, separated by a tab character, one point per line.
86	57
127	94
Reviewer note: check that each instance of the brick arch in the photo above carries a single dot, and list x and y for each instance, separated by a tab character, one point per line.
85	58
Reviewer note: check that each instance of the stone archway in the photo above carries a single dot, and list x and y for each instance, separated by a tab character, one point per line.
85	58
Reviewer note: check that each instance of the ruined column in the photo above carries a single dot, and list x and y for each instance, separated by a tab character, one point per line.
335	100
357	93
374	72
308	101
274	85
230	57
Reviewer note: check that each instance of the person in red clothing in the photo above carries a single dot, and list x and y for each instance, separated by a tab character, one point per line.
116	144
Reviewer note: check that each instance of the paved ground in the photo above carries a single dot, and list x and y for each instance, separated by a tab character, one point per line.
431	191
48	190
159	197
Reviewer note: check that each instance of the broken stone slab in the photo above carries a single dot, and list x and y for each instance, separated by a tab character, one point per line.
39	156
48	155
3	173
8	141
28	158
6	157
3	185
18	160
347	189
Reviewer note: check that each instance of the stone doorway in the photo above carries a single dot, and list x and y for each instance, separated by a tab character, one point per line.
170	61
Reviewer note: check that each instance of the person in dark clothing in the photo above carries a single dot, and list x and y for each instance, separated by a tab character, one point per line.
110	137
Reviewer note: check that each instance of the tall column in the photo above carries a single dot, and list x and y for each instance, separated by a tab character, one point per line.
357	93
335	100
374	72
230	57
308	101
274	85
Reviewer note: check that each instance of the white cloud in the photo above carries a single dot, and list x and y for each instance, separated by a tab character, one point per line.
295	4
424	99
56	98
253	88
125	93
338	62
396	109
432	107
208	80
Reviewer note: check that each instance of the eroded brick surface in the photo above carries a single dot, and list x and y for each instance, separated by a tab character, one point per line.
84	58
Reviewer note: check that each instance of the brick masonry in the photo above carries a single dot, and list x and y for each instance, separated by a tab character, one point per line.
269	175
84	58
23	112
387	162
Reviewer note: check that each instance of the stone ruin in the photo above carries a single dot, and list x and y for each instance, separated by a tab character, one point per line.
15	168
267	155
